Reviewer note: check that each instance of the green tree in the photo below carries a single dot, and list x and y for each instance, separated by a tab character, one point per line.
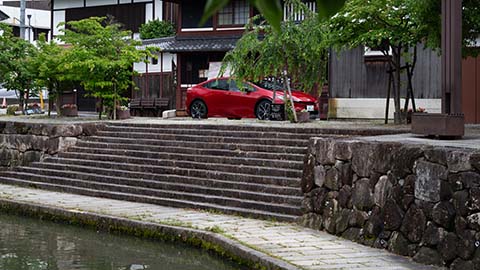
391	26
294	54
16	71
156	29
101	57
429	16
49	68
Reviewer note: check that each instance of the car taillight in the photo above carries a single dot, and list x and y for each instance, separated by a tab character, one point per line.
188	89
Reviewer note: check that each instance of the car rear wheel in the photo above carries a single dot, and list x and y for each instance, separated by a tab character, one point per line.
263	110
198	109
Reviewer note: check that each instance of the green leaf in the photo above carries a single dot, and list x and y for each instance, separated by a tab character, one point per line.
271	10
211	7
328	8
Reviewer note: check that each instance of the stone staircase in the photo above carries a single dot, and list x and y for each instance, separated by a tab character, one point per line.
247	170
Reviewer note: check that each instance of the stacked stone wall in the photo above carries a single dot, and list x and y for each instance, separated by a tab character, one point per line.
413	200
22	143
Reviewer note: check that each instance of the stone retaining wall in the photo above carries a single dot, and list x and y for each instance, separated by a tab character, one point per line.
22	143
413	200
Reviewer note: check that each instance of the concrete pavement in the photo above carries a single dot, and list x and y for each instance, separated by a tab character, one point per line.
301	247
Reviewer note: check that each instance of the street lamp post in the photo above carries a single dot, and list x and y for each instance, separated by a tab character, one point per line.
29	16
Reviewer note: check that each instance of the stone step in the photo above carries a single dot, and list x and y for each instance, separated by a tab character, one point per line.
204	145
193	151
170	194
247	191
212	132
315	131
153	200
254	170
286	164
136	170
204	139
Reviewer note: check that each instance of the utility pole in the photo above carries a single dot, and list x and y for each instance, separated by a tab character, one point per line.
22	19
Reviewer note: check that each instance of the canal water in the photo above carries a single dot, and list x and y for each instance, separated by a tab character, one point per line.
30	244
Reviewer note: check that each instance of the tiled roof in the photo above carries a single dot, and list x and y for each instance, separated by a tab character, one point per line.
192	44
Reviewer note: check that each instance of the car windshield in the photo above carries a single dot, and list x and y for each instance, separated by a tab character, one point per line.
269	85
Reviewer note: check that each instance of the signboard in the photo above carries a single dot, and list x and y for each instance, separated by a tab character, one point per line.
214	70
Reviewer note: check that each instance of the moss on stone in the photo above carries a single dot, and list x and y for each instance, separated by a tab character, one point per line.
92	221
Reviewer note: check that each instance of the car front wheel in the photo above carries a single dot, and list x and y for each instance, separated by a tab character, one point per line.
263	110
198	109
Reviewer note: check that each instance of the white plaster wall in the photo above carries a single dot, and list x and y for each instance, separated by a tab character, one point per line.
61	4
92	3
374	108
148	12
58	17
158	10
167	64
39	19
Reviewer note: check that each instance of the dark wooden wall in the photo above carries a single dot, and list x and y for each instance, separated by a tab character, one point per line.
353	77
149	86
471	89
121	13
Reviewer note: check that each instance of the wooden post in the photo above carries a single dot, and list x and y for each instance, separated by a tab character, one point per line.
452	56
451	122
161	75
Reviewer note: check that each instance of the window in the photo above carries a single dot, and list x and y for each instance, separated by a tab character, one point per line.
245	86
217	85
235	13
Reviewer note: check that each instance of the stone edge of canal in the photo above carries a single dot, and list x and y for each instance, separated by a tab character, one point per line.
217	243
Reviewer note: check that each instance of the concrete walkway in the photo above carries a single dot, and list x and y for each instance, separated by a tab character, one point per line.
302	247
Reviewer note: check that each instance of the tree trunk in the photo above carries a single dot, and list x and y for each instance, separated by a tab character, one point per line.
100	110
114	102
397	83
50	101
287	83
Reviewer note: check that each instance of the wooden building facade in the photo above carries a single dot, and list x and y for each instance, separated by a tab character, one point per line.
358	83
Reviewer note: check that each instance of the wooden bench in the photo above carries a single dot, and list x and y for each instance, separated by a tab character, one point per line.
157	105
162	103
148	103
135	106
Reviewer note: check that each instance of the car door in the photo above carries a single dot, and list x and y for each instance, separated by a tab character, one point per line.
215	97
241	101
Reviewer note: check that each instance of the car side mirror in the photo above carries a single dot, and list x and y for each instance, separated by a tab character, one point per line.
247	89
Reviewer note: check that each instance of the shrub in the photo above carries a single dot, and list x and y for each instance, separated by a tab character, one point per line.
156	29
11	109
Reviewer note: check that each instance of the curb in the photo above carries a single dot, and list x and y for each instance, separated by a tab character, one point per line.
222	245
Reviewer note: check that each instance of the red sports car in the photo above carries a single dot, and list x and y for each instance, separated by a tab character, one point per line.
223	97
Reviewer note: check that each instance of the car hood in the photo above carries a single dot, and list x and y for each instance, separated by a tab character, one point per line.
299	96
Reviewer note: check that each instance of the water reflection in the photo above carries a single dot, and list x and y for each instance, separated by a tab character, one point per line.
27	244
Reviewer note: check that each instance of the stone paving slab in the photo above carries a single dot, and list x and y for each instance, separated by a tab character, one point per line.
302	247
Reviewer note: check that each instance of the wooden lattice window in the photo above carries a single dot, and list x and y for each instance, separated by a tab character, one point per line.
234	14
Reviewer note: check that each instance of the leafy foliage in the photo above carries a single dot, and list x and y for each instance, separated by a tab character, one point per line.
294	54
156	29
101	57
16	71
49	68
272	9
297	50
374	23
388	25
429	14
